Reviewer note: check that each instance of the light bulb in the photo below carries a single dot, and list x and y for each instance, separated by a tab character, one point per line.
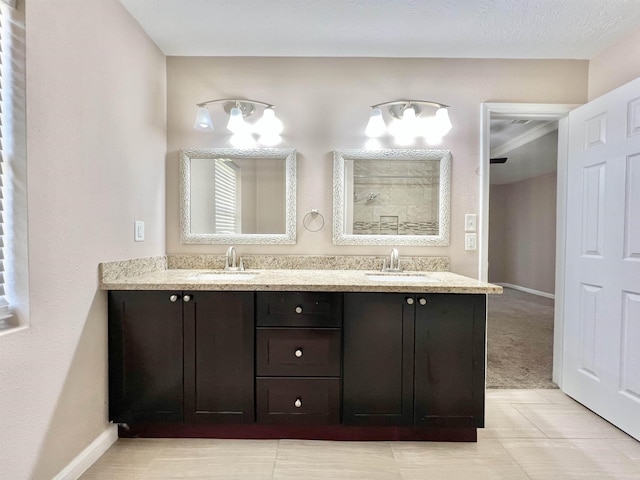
269	124
409	122
442	121
203	120
395	128
405	130
376	126
236	124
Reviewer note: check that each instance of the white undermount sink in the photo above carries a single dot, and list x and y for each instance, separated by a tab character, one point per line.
400	277
224	276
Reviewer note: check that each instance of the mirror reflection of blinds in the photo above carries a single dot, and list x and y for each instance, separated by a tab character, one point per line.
226	191
4	128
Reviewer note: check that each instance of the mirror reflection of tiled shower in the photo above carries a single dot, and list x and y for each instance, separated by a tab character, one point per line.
388	225
399	197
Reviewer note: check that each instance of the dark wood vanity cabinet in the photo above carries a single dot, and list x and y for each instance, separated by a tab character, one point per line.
323	365
298	358
219	334
145	357
181	357
414	360
378	359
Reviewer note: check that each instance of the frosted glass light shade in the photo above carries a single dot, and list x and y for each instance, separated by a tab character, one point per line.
269	124
236	123
405	130
409	122
376	126
443	123
203	120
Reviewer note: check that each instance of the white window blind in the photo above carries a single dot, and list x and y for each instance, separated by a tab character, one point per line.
4	130
226	200
14	254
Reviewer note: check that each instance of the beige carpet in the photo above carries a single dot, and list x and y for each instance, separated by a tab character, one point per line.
519	340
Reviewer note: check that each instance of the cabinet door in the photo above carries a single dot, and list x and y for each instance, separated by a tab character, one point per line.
219	357
449	360
378	359
145	357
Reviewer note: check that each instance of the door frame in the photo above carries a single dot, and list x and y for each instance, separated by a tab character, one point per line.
537	111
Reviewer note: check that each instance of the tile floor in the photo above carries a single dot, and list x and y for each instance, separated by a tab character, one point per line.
530	434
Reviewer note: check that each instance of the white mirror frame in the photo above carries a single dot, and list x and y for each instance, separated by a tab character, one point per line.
341	238
287	154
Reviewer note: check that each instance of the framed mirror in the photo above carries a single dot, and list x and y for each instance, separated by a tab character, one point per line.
391	197
238	196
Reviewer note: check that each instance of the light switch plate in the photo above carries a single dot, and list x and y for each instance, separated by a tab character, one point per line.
470	241
470	222
138	231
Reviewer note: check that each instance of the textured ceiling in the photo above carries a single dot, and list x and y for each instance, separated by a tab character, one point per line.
570	29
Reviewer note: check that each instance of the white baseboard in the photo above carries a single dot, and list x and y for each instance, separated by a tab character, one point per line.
527	290
89	455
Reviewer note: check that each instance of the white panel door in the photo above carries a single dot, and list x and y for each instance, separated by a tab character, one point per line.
601	363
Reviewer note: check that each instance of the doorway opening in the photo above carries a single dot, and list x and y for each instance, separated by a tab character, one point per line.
525	133
522	240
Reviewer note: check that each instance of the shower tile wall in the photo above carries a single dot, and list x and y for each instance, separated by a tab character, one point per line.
396	197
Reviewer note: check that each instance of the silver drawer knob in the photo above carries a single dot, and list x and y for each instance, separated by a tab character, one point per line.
423	301
298	403
409	301
298	353
298	309
187	298
173	298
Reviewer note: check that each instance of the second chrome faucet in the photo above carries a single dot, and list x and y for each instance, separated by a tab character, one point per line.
232	263
393	262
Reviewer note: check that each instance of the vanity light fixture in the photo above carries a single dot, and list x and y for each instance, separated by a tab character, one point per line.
268	127
406	122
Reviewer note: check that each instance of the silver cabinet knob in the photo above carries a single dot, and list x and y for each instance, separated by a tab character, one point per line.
298	353
187	298
298	403
409	301
173	298
298	309
423	301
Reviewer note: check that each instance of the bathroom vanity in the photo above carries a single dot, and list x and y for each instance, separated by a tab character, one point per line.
316	354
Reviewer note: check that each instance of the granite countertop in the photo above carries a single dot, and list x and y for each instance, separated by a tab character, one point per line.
299	280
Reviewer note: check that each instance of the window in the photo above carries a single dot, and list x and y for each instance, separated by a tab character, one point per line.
226	197
13	196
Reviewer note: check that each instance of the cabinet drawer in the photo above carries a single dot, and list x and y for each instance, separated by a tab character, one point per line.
299	309
298	400
298	352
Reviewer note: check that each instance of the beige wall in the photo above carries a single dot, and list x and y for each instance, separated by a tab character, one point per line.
615	66
324	103
522	237
498	198
96	143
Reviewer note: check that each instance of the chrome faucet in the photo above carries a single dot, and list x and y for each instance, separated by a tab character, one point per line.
394	262
231	262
